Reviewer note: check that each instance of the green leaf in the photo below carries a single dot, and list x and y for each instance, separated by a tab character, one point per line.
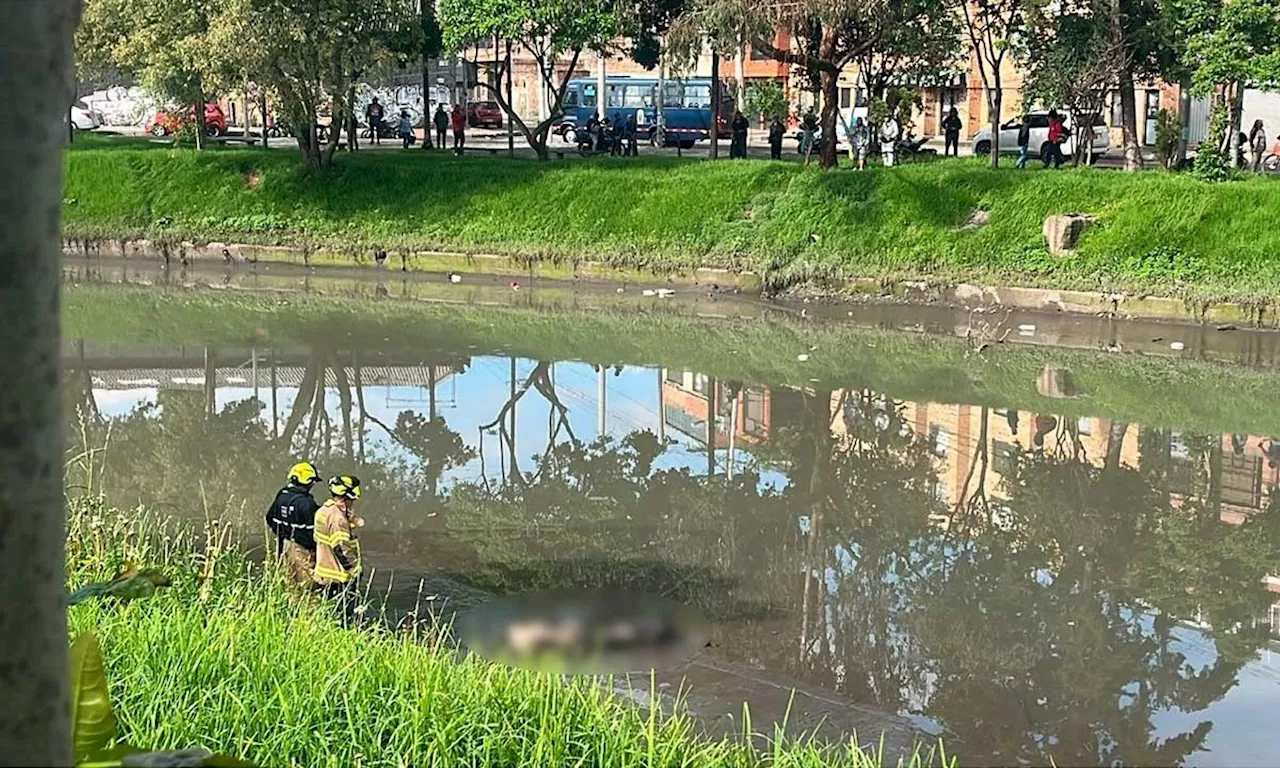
92	721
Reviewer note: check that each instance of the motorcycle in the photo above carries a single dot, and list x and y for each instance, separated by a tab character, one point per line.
588	144
386	130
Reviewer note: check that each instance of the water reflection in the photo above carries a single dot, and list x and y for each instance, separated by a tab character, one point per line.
1042	587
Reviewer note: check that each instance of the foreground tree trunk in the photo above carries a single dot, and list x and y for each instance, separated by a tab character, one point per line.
830	106
1129	122
35	73
198	110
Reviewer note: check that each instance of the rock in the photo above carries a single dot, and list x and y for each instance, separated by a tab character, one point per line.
1056	381
1062	233
977	220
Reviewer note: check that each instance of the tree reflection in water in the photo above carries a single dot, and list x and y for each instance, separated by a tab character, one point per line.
1036	617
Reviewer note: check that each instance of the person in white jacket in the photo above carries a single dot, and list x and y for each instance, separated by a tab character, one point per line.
889	133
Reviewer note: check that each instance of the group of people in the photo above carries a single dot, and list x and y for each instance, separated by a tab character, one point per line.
858	134
375	114
616	136
317	542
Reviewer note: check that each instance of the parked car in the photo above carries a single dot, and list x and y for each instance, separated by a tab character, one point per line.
85	119
1039	145
166	123
484	114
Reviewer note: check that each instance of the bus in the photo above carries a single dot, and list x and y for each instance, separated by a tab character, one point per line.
686	107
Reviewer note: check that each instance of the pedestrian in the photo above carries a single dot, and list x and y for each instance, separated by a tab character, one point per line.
860	140
777	131
442	125
1024	141
808	132
890	131
459	121
602	135
291	519
338	563
1257	144
951	134
373	114
405	129
739	126
1057	135
632	128
619	125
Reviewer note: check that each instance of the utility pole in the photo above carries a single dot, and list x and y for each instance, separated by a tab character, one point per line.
426	81
662	406
600	412
511	136
601	85
711	427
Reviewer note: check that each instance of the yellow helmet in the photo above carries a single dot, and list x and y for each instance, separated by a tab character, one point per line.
303	473
345	485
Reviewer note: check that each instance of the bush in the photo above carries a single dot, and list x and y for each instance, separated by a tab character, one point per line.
1212	164
1168	137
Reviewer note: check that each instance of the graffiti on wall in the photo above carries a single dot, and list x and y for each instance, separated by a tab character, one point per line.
121	106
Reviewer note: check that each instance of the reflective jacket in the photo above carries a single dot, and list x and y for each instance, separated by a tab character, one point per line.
337	551
291	516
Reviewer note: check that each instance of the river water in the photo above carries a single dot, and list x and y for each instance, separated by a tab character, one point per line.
1031	585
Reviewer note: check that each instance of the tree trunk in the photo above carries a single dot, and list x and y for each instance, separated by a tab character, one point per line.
35	74
426	103
830	108
1237	114
1184	120
200	123
715	104
1129	122
995	102
350	120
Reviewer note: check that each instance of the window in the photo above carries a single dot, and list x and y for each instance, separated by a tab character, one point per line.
846	98
758	56
941	441
675	377
673	95
701	385
1084	426
637	96
697	96
571	98
860	98
615	96
589	95
1038	120
1116	118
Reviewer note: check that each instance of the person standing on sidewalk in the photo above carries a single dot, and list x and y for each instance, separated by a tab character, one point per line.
459	129
890	131
951	133
776	133
374	114
405	129
860	140
1057	135
1024	142
442	125
1257	144
739	126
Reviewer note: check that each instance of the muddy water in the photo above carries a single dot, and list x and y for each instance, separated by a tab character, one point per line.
1033	586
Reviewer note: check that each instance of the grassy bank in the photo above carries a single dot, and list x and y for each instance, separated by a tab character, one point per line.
236	664
764	351
1159	232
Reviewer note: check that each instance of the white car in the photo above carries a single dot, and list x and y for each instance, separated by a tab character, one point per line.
1039	145
85	119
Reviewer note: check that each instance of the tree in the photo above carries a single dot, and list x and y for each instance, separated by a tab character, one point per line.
825	37
1069	55
916	40
1229	46
993	27
549	30
309	53
36	71
168	47
767	99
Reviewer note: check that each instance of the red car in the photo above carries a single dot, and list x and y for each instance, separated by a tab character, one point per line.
165	123
484	114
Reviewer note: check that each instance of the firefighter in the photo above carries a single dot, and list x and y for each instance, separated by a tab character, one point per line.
337	551
292	514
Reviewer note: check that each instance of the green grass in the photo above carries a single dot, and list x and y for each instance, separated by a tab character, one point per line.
1157	393
246	668
1159	232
